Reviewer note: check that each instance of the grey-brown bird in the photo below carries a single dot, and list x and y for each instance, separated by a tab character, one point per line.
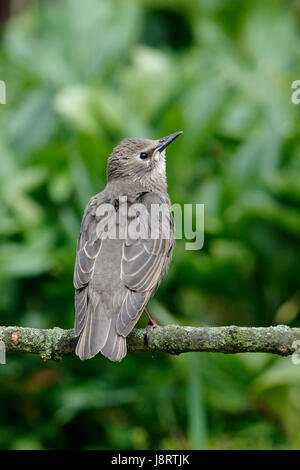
115	276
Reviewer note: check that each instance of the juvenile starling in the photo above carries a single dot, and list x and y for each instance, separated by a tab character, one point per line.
114	277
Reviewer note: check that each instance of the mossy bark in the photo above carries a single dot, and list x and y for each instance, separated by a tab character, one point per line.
56	343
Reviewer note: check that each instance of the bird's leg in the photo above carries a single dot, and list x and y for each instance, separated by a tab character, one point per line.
151	319
151	324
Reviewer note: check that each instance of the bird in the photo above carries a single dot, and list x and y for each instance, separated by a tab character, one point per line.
115	276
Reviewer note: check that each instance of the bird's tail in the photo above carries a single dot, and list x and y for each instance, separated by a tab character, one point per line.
99	333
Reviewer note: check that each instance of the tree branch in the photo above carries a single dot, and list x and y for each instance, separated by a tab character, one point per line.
56	343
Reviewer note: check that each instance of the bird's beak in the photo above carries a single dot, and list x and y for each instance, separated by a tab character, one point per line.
165	141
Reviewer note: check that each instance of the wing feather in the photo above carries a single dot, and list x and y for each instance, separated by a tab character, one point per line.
88	248
143	265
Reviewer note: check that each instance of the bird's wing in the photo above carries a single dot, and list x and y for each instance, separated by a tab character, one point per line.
88	248
144	263
95	322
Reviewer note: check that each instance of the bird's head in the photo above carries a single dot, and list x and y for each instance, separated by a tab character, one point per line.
141	160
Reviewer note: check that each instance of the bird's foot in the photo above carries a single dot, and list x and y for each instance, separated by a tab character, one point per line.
149	328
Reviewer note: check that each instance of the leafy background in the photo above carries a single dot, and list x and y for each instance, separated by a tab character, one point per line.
81	76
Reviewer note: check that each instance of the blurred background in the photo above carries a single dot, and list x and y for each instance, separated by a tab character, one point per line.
81	76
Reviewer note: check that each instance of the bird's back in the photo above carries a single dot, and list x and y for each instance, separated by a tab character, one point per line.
118	277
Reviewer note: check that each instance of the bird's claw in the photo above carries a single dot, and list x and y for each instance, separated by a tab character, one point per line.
149	328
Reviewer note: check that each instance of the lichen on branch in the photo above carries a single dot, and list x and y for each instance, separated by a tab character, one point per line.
56	343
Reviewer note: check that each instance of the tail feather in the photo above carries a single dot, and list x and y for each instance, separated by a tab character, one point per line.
99	333
115	346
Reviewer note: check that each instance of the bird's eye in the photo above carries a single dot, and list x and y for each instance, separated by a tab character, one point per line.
143	155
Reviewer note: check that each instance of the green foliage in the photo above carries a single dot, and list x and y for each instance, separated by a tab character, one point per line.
81	76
